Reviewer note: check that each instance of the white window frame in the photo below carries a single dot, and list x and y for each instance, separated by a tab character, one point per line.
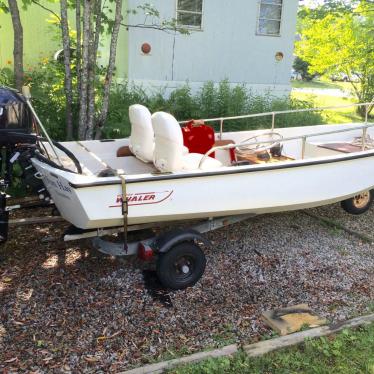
191	27
265	2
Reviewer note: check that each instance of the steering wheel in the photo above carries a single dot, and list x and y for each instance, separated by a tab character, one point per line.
272	138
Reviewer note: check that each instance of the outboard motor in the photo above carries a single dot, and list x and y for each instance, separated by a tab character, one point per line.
16	120
17	143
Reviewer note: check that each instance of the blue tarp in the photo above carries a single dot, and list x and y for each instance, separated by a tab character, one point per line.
9	96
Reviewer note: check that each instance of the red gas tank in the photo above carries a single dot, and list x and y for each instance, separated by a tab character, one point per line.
198	137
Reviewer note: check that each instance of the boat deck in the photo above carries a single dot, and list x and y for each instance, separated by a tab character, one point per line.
308	142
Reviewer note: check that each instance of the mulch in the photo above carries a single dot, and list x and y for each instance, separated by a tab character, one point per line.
65	308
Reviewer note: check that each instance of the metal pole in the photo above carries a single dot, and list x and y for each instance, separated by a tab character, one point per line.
230	146
27	96
221	128
366	113
364	131
281	112
303	147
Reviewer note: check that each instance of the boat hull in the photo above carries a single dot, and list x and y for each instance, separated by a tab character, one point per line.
94	203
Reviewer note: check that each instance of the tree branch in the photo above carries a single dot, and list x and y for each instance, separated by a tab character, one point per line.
168	29
47	9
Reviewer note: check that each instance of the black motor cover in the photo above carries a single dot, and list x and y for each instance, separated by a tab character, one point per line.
16	120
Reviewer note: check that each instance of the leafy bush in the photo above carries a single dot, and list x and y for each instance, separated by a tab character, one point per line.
222	100
212	101
47	87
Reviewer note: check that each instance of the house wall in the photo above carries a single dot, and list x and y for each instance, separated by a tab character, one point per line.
42	39
122	56
227	47
39	35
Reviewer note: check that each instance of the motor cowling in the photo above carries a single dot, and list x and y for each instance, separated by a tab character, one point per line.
16	119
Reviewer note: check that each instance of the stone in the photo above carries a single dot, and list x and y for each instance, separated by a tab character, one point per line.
291	319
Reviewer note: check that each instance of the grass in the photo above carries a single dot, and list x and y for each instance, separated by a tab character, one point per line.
351	351
343	115
322	84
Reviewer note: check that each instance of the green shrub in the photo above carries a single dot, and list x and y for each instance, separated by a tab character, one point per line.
211	101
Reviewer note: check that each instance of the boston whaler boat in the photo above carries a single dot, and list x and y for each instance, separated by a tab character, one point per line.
165	173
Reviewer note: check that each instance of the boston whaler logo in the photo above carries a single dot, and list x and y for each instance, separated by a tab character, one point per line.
143	198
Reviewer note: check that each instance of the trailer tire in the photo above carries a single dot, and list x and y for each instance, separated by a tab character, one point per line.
358	204
182	266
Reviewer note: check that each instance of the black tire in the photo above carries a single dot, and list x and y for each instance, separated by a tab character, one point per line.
186	255
358	204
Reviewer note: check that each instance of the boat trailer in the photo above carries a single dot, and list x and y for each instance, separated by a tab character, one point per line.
177	253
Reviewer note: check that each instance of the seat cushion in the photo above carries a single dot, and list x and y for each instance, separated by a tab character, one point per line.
191	161
142	136
170	154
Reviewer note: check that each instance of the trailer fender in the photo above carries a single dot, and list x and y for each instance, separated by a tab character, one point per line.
166	241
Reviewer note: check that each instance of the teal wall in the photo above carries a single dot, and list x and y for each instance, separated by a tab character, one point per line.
42	38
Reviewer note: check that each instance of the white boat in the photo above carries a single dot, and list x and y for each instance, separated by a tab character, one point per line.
163	174
318	165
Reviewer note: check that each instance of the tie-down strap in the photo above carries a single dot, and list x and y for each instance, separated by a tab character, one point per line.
125	209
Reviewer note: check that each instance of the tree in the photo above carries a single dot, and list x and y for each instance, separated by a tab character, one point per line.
342	43
83	89
93	19
68	83
17	43
302	67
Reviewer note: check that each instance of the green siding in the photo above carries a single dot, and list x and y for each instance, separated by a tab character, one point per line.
122	57
122	60
41	38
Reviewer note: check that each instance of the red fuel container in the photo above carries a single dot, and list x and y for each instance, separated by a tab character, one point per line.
198	137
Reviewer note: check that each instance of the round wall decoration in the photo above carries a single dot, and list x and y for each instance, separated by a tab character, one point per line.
279	56
146	48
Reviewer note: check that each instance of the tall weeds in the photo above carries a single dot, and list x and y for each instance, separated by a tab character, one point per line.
211	101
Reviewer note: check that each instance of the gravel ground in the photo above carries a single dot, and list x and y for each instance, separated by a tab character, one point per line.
361	223
65	308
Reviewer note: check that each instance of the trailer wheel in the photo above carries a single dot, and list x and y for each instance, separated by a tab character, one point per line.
358	204
182	266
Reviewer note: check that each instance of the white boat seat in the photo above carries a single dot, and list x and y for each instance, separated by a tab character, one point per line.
169	153
142	136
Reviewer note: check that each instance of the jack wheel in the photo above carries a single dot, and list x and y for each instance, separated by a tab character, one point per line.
182	266
358	204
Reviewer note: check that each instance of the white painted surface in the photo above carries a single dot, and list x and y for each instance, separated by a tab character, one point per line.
226	47
257	189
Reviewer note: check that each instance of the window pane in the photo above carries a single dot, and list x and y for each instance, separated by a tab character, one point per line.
271	2
270	11
190	5
188	19
268	27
